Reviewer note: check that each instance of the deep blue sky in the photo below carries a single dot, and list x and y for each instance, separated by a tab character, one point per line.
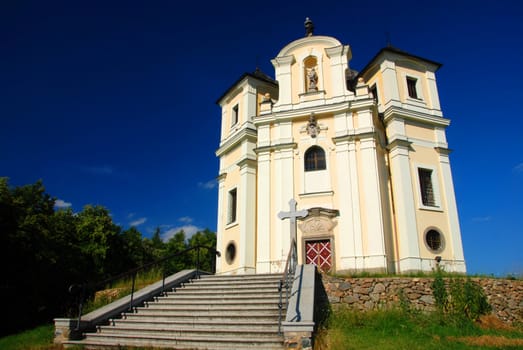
113	102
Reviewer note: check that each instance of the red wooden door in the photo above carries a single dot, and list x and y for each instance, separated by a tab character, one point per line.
319	253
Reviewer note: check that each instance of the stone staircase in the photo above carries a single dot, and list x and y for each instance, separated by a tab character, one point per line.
212	312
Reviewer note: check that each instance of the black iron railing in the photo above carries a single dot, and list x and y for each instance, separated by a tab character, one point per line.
286	282
85	290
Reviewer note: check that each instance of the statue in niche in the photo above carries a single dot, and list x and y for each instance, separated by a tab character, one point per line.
312	127
313	80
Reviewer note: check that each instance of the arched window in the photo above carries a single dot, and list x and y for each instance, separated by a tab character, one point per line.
315	159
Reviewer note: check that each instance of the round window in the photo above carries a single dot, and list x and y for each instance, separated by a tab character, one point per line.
434	240
230	253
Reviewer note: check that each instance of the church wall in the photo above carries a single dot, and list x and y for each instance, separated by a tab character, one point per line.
428	218
388	224
227	120
376	229
418	131
418	73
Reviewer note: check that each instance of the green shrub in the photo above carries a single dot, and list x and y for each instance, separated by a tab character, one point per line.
460	297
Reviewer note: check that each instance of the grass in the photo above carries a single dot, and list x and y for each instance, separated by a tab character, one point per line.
397	329
345	329
39	338
122	288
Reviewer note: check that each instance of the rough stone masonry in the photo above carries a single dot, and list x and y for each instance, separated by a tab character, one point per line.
504	295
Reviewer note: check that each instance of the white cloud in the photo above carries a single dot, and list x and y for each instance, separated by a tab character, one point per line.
482	218
61	204
138	222
185	219
519	168
189	230
209	185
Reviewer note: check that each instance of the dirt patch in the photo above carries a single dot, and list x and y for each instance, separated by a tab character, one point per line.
492	322
488	340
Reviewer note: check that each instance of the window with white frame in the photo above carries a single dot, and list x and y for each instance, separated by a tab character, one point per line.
234	116
434	240
374	92
428	187
315	159
412	87
232	206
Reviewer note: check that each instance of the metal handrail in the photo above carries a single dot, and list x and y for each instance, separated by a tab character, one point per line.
286	281
82	289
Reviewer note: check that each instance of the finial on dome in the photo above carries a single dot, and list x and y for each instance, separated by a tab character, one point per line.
309	27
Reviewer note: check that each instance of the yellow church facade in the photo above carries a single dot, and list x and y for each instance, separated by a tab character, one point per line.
364	155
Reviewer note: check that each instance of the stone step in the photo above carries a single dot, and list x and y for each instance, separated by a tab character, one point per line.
97	345
190	317
226	285
213	298
175	342
244	311
196	330
197	300
240	277
205	307
207	282
212	312
227	288
225	292
209	324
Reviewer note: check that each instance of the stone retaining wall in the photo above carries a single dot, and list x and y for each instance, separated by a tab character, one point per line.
505	296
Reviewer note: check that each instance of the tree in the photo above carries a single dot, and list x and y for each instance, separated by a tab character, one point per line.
176	244
34	255
207	258
100	241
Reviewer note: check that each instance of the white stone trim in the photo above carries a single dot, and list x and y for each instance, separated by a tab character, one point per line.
405	210
247	215
264	219
452	210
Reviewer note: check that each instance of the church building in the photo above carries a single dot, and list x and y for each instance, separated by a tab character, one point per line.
362	155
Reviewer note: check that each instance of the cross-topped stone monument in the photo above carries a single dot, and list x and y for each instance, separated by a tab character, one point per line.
292	214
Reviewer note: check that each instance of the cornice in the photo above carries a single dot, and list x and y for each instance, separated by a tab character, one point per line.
309	41
394	112
277	147
244	134
443	150
247	162
354	135
300	112
399	143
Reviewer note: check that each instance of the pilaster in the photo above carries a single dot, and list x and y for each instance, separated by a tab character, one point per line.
375	256
282	66
450	204
247	215
339	63
264	239
408	258
283	191
220	219
390	82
